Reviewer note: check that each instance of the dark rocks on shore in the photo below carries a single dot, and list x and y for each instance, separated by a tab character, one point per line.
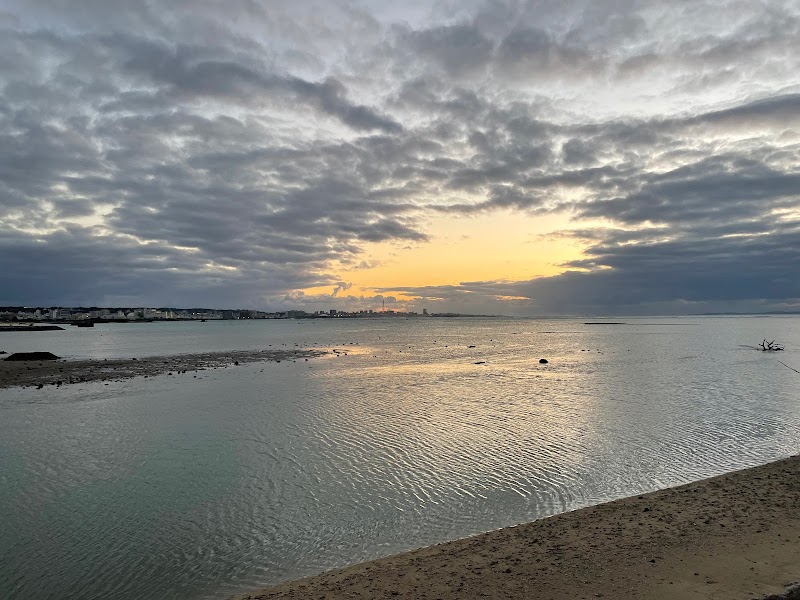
31	327
32	356
543	361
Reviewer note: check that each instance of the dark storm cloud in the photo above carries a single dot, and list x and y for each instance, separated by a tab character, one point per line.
245	151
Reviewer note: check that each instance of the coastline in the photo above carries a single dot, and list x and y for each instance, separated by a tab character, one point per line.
65	372
728	537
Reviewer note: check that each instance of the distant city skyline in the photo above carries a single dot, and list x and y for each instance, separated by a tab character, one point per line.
100	314
484	156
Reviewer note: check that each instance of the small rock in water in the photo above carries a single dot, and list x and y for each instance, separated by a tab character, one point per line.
543	361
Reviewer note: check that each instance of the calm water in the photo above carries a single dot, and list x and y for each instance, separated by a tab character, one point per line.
191	488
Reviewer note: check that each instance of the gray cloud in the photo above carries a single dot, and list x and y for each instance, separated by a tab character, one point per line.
191	72
341	286
782	111
533	52
457	49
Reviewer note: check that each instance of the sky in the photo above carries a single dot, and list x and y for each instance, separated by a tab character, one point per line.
508	157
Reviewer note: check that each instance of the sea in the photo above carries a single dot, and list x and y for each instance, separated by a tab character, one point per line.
414	432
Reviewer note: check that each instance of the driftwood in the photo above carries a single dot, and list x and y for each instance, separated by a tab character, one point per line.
770	346
788	367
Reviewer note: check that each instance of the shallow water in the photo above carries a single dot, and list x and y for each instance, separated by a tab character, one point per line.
201	487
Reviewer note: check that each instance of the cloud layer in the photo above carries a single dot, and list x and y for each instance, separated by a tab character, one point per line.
238	154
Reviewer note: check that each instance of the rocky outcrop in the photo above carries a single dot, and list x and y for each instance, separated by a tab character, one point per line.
32	356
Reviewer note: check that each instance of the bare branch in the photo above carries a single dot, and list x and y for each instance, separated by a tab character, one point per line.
788	367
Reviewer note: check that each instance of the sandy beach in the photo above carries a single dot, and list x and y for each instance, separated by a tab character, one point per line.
736	536
65	372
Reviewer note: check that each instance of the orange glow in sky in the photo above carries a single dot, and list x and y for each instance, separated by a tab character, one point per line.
506	245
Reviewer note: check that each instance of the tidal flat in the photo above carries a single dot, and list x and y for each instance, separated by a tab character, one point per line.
38	373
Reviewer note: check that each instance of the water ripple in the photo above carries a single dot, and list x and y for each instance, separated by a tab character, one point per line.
269	472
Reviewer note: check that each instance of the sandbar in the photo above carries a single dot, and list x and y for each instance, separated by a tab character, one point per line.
65	372
735	536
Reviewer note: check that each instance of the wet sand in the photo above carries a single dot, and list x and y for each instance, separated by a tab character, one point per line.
731	537
65	372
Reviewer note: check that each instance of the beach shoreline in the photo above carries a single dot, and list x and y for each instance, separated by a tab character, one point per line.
732	536
64	372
